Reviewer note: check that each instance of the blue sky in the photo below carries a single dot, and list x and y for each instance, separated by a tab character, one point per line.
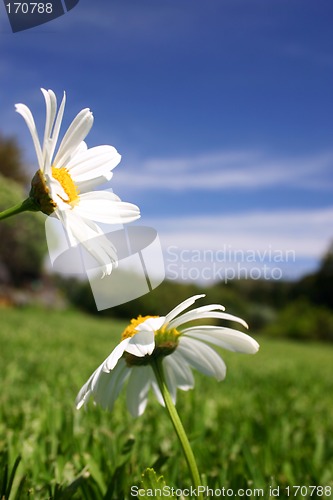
222	111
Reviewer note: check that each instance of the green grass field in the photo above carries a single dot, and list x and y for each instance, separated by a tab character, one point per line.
269	424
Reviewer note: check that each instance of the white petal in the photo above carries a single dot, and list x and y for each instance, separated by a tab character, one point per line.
182	373
209	307
197	313
202	357
85	391
115	355
57	125
94	378
75	134
91	237
82	147
25	112
194	315
170	379
56	191
86	186
51	110
181	307
102	386
92	163
151	324
109	385
99	195
68	219
157	391
228	338
141	344
103	208
137	389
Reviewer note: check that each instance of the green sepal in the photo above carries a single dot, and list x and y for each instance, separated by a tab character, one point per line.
39	193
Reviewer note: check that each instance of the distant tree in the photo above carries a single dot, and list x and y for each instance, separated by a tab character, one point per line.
326	266
22	238
325	279
302	320
317	287
158	302
273	293
11	161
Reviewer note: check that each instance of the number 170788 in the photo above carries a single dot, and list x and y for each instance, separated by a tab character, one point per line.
29	8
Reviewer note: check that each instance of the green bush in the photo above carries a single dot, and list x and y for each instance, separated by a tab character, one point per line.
11	162
157	302
23	244
302	320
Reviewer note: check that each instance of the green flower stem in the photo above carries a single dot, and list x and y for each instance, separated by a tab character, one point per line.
178	426
26	205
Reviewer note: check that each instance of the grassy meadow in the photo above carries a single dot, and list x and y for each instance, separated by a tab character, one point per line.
269	424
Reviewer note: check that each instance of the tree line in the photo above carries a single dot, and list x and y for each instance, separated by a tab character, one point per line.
301	309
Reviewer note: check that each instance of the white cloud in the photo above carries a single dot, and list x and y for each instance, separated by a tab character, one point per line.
229	169
290	241
307	232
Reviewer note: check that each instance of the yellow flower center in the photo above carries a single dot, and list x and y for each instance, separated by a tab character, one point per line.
63	177
130	330
166	341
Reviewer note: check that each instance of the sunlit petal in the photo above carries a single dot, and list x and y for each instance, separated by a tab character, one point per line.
75	134
181	307
193	315
141	344
229	339
115	355
92	163
25	112
102	207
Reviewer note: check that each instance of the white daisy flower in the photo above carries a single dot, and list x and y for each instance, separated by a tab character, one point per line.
63	184
181	349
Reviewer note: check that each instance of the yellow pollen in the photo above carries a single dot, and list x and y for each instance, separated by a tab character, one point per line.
130	329
162	335
166	342
63	176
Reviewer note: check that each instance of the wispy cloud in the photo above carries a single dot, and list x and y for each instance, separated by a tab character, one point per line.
276	245
307	232
230	169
